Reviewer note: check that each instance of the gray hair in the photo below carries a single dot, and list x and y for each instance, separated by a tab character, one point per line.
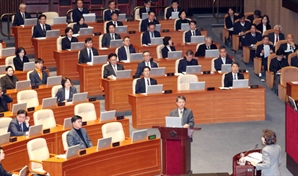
208	38
22	5
278	26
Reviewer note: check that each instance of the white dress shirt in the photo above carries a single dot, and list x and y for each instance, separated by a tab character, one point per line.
223	60
169	48
67	94
180	112
43	26
266	51
264	28
147	64
69	38
112	36
146	83
88	50
127	52
114	68
276	36
290	47
115	23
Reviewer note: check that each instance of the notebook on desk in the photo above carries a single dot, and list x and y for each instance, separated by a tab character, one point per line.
193	69
52	33
79	97
60	20
17	107
116	43
120	74
4	138
104	143
77	45
138	135
160	71
107	115
86	31
21	85
121	29
89	17
212	53
174	122
197	85
54	80
185	26
174	54
28	66
48	102
154	89
10	51
35	130
101	59
240	83
30	22
197	39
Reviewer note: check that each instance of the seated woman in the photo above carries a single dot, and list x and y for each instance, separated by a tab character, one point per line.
80	24
168	46
9	80
20	58
182	19
264	25
68	39
67	90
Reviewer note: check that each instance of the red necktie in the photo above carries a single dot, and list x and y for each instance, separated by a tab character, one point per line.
276	37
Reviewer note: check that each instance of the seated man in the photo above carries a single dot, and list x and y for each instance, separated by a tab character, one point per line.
206	46
151	33
146	8
223	59
111	69
182	112
148	61
114	21
257	14
192	32
106	38
290	46
142	83
4	100
263	51
19	17
187	60
241	27
86	54
251	39
38	76
174	8
78	135
3	172
79	11
277	35
40	29
151	18
20	124
233	75
112	8
125	50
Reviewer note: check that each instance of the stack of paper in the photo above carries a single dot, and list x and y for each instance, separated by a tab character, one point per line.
256	157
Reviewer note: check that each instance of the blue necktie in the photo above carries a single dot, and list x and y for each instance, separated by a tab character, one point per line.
90	56
234	76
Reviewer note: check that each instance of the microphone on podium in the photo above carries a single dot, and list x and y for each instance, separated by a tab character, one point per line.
253	148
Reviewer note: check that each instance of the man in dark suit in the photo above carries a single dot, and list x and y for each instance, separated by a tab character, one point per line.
125	50
241	27
186	61
251	39
233	75
223	59
148	61
79	11
86	54
206	46
257	14
40	29
151	18
290	46
114	21
263	51
112	8
146	8
20	16
38	76
151	33
4	100
142	83
78	135
174	8
277	35
20	124
111	69
106	39
3	172
192	32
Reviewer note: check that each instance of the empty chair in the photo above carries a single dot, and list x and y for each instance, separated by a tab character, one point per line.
45	117
9	61
4	123
55	90
158	51
64	140
50	17
114	130
184	80
137	13
28	96
99	41
86	111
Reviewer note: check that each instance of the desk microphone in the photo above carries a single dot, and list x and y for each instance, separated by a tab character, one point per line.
254	147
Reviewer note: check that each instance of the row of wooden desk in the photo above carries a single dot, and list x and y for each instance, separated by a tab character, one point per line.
292	90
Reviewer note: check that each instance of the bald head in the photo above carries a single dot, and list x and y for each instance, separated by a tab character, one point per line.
208	41
22	7
290	38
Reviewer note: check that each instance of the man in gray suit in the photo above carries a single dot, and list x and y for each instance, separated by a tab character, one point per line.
78	135
38	76
106	38
183	112
19	125
271	158
111	69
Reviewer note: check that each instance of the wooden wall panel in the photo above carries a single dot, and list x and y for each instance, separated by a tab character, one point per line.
9	6
207	3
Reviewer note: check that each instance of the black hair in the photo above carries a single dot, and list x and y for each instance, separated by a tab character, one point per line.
241	15
268	21
8	67
112	55
79	0
222	47
20	50
264	36
68	29
111	2
193	21
63	81
111	25
179	15
151	23
258	13
146	51
126	37
147	1
88	40
189	52
145	68
38	60
42	15
166	40
253	25
81	17
280	52
113	13
236	63
75	118
180	97
22	111
151	11
173	1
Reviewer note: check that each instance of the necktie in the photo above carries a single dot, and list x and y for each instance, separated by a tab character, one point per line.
113	37
193	33
224	60
181	113
22	127
90	56
44	29
235	77
253	35
152	35
276	36
23	15
208	47
115	69
148	82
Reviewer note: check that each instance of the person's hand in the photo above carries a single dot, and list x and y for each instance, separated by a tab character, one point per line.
186	126
292	43
27	120
110	77
262	52
278	71
270	51
79	32
242	33
253	163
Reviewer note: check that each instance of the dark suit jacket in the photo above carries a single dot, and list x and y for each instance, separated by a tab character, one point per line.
77	27
218	62
260	27
3	172
251	18
179	22
4	100
202	49
76	14
61	93
18	19
141	85
122	52
183	63
170	10
239	28
18	64
144	24
143	10
249	39
260	48
7	83
146	37
229	22
187	116
275	65
108	70
141	65
15	129
106	39
228	80
285	46
38	32
294	61
73	138
119	23
281	36
187	36
108	14
165	50
35	79
83	57
65	43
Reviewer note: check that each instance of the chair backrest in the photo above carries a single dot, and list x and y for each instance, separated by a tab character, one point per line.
58	43
223	80
158	51
175	23
99	41
248	14
50	17
184	80
28	96
4	123
290	56
103	14
105	26
269	31
277	45
38	151
134	82
288	74
114	130
137	13
177	64
271	56
116	51
64	140
71	25
79	55
183	36
70	15
165	12
55	90
28	74
258	43
102	70
2	75
141	36
198	45
12	18
140	22
86	111
257	21
212	64
226	15
45	117
9	61
32	28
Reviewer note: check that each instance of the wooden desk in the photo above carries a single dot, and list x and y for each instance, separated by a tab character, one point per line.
141	158
208	106
116	91
292	90
3	44
22	37
60	27
17	155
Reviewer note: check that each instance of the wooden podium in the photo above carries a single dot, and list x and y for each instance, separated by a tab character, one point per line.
247	169
175	151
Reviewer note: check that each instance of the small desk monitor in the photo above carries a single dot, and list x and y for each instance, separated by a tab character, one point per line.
156	40
67	123
185	26
101	59
240	83
79	97
138	135
197	39
60	20
28	66
17	107
54	80
174	54
30	22
122	17
120	74
116	43
136	56
86	31
175	15
10	51
104	143
197	85
90	17
52	33
121	29
212	53
107	115
226	68
160	71
175	122
21	85
154	89
77	45
35	130
48	102
193	69
4	138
